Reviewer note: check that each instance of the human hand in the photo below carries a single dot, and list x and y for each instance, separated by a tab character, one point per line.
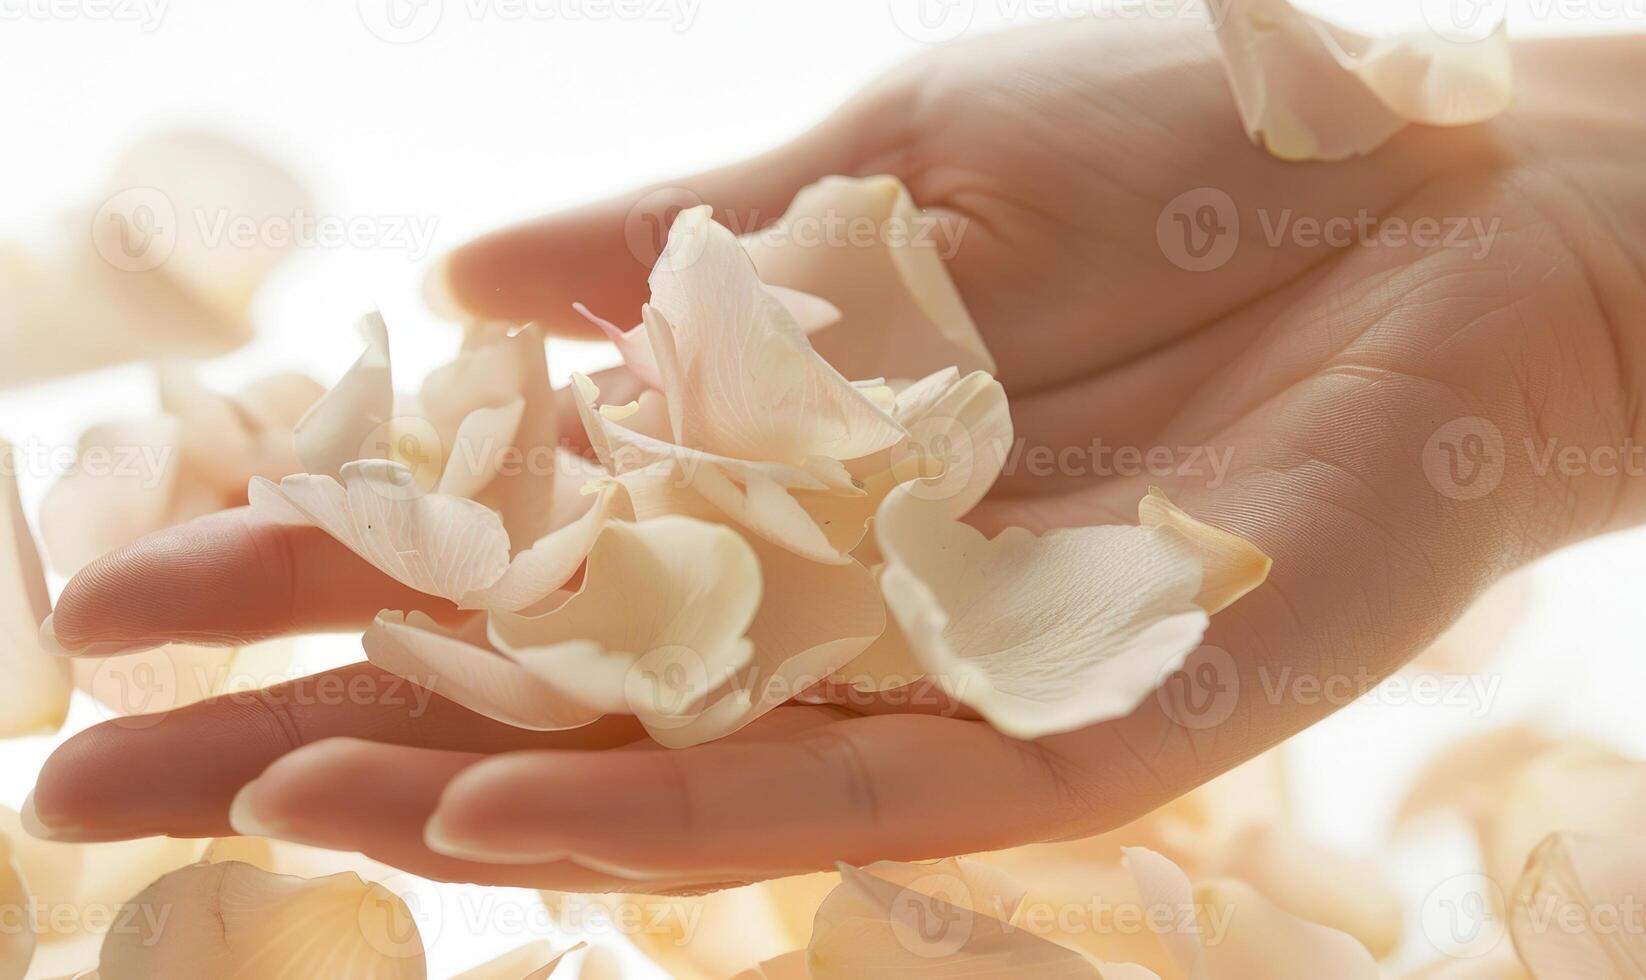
1321	373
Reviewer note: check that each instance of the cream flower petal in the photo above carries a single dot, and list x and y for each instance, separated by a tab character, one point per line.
122	487
477	449
340	427
1573	788
901	314
234	920
660	622
459	666
279	401
1351	895
740	377
533	961
789	966
35	684
439	545
1039	634
811	313
813	618
1576	911
208	180
89	879
1236	933
1230	565
16	938
887	664
525	485
1308	89
949	919
541	570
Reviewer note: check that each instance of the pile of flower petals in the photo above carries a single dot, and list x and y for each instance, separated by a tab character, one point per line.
725	535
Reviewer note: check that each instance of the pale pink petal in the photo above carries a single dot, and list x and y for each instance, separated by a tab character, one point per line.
901	314
460	666
234	920
440	545
1310	90
34	683
1577	911
347	422
739	374
660	622
1039	634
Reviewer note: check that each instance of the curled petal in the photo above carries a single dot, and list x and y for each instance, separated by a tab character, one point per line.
1039	634
543	569
950	919
440	545
1311	90
811	313
660	622
34	684
1225	930
1576	911
1231	566
740	376
460	666
234	920
901	316
340	427
533	961
813	618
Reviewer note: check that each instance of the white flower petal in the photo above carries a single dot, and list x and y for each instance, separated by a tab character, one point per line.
948	919
740	377
34	683
338	429
460	667
1230	565
1039	634
439	545
1576	910
16	938
122	488
1310	90
533	961
813	618
660	622
901	314
1236	933
538	572
477	449
811	313
234	920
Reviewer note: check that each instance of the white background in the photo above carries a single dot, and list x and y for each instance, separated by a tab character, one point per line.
498	114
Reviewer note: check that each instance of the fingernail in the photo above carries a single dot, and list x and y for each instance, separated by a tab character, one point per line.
29	817
438	837
50	644
438	294
244	821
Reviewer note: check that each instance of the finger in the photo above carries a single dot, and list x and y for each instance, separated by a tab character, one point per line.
600	255
176	773
856	790
229	578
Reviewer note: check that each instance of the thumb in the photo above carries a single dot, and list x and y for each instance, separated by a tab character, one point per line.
601	254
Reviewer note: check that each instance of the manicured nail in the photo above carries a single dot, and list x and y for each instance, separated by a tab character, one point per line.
244	821
50	644
437	837
438	294
29	817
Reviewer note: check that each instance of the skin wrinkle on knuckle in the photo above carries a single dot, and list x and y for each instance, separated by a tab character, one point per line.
853	778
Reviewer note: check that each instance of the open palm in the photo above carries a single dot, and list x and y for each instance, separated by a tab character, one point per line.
1342	363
